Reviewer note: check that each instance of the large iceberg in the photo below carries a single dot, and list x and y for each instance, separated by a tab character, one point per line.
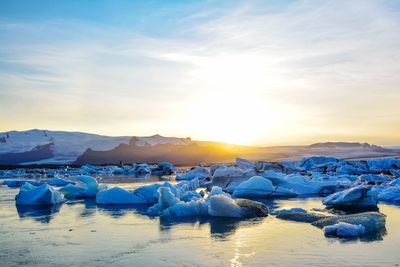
38	195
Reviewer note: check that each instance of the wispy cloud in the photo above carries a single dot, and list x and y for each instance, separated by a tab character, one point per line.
325	69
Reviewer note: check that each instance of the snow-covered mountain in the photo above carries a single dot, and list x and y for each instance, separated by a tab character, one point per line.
43	146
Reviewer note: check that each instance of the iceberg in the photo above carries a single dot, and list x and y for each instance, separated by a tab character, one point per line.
198	172
117	195
298	185
343	229
163	168
312	162
224	171
19	183
224	206
87	189
38	195
256	186
59	182
244	164
372	178
187	209
354	197
390	194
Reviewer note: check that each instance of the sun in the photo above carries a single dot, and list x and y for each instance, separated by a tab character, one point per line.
232	107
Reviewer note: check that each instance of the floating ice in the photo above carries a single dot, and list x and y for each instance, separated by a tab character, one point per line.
256	186
224	206
343	229
390	194
358	196
198	172
59	182
19	183
38	195
372	221
117	195
88	188
244	164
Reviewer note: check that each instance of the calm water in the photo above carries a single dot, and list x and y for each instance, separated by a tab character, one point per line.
81	233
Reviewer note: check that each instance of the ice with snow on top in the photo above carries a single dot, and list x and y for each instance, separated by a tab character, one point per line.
343	229
197	172
358	196
38	195
256	186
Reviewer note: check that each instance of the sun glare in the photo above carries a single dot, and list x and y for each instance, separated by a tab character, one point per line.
235	109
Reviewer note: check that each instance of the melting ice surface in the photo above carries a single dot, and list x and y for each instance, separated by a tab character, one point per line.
81	233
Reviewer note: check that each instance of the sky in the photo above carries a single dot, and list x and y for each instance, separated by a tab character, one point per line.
245	72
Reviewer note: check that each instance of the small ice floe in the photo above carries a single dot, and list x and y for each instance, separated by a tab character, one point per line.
299	215
343	229
374	222
197	172
286	211
355	197
59	182
38	195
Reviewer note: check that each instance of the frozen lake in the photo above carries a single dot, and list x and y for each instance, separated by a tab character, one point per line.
80	233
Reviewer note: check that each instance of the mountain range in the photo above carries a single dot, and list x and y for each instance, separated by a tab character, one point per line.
61	148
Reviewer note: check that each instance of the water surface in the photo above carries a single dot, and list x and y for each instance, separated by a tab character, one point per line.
80	233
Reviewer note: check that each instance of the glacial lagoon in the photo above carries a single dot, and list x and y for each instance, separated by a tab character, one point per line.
81	233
